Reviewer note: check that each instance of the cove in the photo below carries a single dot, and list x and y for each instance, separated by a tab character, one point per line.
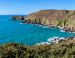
29	34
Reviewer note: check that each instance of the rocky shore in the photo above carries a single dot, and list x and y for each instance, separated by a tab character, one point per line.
72	29
51	18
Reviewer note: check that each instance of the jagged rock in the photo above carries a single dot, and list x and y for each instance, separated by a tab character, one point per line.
22	18
69	29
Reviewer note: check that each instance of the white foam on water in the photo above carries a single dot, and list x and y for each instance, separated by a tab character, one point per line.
50	39
43	27
55	37
62	31
21	23
47	26
61	38
37	44
40	25
73	32
43	43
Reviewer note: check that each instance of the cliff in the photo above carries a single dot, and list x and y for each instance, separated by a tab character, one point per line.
61	18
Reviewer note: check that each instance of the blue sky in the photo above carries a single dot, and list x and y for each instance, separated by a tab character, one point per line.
29	6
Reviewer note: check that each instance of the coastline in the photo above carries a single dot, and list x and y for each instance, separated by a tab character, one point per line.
28	21
52	26
52	40
53	18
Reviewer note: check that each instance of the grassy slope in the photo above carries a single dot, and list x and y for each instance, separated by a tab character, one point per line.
65	49
54	17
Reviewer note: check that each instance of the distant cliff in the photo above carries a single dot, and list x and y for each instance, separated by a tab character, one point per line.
62	18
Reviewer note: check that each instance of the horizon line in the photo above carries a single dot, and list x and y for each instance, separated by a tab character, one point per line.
36	11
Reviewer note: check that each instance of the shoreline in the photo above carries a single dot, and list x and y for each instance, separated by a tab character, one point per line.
62	29
51	26
50	40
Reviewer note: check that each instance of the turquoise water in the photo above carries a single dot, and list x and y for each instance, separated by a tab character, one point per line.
14	32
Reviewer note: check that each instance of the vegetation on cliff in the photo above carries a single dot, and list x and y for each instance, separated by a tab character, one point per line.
55	17
65	49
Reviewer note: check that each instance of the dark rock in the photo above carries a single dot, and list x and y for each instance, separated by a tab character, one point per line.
22	18
69	29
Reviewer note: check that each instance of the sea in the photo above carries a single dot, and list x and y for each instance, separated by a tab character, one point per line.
29	34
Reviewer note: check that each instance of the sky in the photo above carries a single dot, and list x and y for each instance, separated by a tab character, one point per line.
24	7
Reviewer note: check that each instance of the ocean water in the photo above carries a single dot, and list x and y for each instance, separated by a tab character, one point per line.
29	34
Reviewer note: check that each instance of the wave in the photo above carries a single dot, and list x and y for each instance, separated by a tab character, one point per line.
62	31
40	25
71	32
49	41
43	27
21	23
43	43
53	38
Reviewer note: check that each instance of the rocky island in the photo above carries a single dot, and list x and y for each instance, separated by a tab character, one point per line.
60	18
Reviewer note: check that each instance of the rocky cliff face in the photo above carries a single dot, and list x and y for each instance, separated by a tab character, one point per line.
62	18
